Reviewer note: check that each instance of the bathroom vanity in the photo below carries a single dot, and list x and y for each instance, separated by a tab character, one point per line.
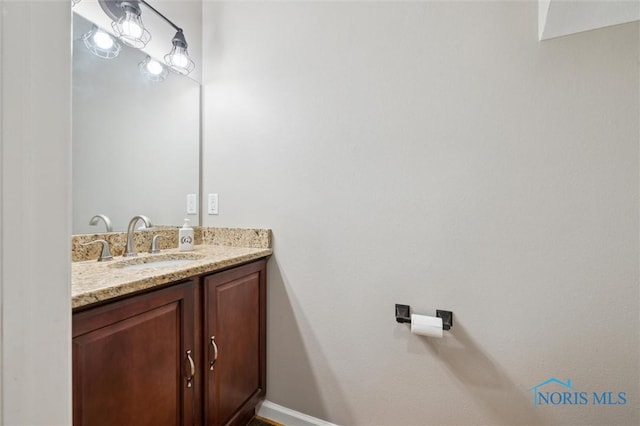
170	345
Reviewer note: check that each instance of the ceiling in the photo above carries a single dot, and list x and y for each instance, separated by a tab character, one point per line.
558	18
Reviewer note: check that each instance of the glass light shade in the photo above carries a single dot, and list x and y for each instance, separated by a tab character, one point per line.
129	27
101	43
152	69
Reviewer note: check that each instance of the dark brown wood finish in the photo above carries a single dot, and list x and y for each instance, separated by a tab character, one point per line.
129	360
235	315
129	356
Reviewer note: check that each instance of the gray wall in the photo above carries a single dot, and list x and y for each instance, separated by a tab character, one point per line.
435	154
35	214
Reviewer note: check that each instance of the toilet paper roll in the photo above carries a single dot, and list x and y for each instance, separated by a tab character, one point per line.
426	326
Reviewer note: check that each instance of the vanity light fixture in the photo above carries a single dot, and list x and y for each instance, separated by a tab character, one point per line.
128	25
101	43
152	69
178	59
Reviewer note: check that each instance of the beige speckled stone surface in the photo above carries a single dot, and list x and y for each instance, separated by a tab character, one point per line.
216	248
118	240
237	237
98	281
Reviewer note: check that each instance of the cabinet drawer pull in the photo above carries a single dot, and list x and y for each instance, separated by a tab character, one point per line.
192	369
215	352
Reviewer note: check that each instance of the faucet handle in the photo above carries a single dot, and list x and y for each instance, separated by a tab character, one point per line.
105	254
154	243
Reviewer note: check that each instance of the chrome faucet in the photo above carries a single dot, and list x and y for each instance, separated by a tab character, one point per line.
107	222
130	250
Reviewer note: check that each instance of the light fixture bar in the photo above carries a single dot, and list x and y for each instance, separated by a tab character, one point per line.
178	58
177	28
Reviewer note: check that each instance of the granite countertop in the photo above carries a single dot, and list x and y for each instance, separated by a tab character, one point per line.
93	281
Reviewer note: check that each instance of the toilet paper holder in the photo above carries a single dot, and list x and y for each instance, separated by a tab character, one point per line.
403	315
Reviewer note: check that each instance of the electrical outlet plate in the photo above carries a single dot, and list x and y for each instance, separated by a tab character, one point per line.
192	204
212	206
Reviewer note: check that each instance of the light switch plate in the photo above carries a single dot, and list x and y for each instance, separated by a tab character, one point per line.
212	206
192	204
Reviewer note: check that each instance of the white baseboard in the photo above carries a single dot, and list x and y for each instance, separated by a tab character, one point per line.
287	416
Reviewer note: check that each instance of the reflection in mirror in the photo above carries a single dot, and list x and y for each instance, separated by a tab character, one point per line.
136	142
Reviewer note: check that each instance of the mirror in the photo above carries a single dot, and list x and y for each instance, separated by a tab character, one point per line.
136	143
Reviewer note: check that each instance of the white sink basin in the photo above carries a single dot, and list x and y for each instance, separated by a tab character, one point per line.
175	260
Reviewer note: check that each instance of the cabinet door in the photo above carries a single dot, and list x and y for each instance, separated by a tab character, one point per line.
132	360
235	334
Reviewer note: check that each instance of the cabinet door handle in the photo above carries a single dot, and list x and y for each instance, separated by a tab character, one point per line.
192	369
215	352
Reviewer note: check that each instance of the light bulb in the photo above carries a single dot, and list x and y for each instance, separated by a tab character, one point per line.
154	67
101	43
131	28
180	60
103	40
153	70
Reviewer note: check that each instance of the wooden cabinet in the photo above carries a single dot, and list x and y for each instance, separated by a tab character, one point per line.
188	354
132	360
234	329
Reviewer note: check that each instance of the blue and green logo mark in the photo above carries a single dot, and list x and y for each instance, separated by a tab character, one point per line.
554	392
